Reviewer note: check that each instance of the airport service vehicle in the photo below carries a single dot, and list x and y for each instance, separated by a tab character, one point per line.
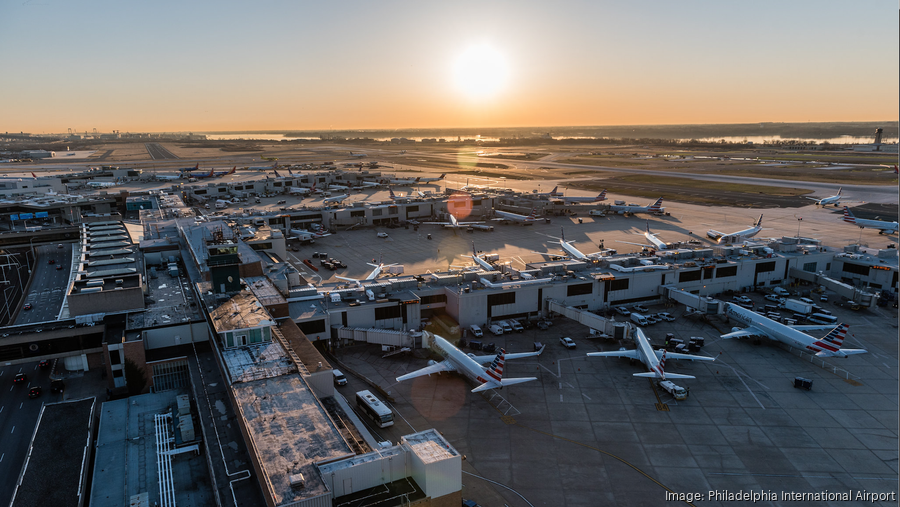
514	324
623	311
759	326
655	208
220	204
677	392
375	409
496	329
470	365
382	235
797	306
339	378
655	242
735	237
597	213
884	227
820	318
505	325
665	316
476	331
781	291
639	319
567	342
654	360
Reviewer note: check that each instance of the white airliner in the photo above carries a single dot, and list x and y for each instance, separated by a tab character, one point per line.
407	181
102	184
757	325
371	276
833	199
651	237
470	365
336	199
573	199
552	193
655	208
358	155
574	252
429	180
485	265
338	187
305	236
168	177
654	360
505	215
456	224
371	184
264	168
883	226
735	237
303	190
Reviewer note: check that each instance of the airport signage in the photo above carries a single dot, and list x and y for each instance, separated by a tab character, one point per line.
42	214
26	216
14	217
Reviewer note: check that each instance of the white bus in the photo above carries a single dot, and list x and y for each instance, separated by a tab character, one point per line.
819	318
375	409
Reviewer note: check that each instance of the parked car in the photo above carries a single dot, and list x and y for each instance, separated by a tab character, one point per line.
382	234
773	297
641	308
742	299
623	311
665	316
823	298
567	342
489	347
544	325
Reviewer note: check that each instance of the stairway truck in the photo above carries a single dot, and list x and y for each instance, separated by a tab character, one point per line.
677	392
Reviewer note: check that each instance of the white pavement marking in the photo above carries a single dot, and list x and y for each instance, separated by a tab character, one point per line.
586	396
13	430
20	404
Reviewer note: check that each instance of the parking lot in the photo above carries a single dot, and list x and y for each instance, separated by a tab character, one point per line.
589	433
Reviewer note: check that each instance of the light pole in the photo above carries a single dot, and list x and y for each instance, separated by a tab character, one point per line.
799	219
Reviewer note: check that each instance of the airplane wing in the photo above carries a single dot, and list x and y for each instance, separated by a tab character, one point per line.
428	370
630	354
638	244
676	355
714	234
813	328
503	383
651	374
746	332
520	355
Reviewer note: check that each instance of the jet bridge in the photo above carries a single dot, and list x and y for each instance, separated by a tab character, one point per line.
609	327
841	289
705	305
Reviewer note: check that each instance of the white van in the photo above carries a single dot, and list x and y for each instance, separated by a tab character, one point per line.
639	319
339	378
505	325
496	329
808	301
476	331
780	291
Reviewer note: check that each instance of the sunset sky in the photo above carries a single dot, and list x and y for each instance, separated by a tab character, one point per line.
237	65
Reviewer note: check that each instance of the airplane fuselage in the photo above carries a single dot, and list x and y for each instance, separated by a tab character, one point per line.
648	357
773	330
463	363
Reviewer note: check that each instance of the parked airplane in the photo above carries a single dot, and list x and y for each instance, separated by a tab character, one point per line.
393	196
833	199
338	187
189	169
225	173
654	208
505	215
263	168
736	237
552	193
210	174
371	276
576	199
883	226
102	184
370	184
404	182
336	199
481	262
470	365
358	155
307	236
651	237
453	223
168	177
654	360
757	325
429	180
270	159
303	190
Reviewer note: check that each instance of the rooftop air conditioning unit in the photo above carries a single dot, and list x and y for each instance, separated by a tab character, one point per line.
297	480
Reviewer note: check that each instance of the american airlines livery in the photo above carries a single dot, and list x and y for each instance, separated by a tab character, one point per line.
735	237
884	227
654	360
757	325
470	365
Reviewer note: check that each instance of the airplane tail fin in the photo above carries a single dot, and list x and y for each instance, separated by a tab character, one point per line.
391	190
662	364
602	196
417	179
495	370
759	220
657	205
648	227
233	169
533	213
453	220
830	344
212	173
33	176
562	234
553	192
840	189
276	174
474	252
442	176
848	216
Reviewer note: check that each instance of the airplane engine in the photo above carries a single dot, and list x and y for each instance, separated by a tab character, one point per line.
735	329
432	362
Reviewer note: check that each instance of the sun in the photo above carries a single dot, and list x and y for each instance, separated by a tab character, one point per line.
481	72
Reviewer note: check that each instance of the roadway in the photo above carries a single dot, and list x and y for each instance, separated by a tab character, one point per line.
48	284
157	152
18	417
